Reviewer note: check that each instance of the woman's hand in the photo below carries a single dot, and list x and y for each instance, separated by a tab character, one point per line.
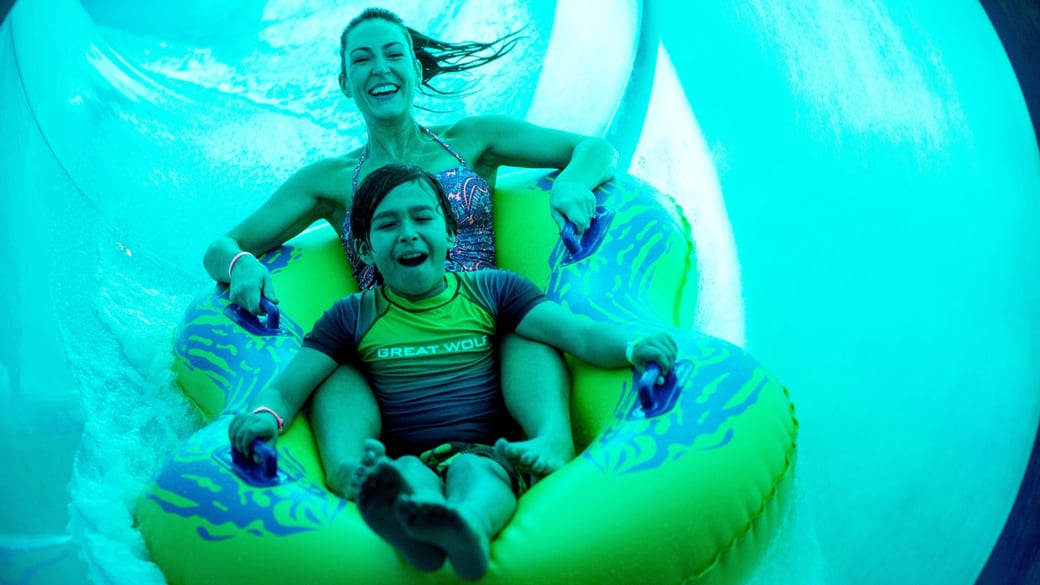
571	201
249	280
246	428
658	348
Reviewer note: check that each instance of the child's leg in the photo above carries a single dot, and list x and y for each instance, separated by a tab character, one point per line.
536	387
344	414
384	482
480	501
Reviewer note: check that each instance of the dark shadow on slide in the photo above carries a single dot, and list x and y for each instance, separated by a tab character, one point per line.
5	7
1015	559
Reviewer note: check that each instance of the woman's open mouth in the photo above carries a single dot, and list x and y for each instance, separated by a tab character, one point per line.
384	90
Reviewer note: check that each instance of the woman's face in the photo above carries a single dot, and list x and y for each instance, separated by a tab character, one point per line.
382	71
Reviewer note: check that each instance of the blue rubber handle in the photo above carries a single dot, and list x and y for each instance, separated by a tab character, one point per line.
647	386
268	326
591	238
274	314
657	399
261	469
569	235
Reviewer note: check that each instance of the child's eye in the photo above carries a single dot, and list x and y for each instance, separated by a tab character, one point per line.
385	226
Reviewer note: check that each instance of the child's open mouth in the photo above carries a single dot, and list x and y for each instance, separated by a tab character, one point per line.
413	259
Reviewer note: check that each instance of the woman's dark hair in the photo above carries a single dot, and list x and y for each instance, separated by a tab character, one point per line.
379	183
436	56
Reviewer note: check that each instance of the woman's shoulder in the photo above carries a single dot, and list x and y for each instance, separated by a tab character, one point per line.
331	177
475	136
476	127
333	165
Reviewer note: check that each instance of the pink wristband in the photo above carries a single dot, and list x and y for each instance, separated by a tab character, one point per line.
260	409
231	266
629	349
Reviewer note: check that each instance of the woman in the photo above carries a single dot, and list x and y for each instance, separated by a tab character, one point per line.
383	64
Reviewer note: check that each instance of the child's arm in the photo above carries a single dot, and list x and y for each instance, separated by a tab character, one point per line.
600	344
281	400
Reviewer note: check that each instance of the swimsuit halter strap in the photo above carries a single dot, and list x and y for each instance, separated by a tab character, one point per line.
364	155
357	169
446	146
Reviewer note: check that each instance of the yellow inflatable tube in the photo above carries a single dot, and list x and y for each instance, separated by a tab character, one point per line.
680	483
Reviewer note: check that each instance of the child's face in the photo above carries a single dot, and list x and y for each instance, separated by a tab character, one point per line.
409	241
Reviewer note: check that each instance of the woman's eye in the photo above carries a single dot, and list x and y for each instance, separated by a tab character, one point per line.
359	60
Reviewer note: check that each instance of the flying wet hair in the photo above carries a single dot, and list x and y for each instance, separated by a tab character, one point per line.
375	187
435	56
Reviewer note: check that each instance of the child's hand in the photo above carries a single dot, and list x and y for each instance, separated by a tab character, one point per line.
659	348
246	428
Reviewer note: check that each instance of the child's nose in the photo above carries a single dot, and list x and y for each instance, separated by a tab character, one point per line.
408	231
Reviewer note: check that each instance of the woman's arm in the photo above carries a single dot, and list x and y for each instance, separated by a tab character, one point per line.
585	161
284	398
601	344
298	203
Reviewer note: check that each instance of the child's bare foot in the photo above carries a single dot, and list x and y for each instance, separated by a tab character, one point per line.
381	486
343	478
466	543
539	456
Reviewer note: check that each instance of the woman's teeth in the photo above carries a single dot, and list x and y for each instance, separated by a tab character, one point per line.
385	89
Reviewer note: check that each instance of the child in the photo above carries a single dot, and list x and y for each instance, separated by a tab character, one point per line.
442	480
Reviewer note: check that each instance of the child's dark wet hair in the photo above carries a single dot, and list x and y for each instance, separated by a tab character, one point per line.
379	183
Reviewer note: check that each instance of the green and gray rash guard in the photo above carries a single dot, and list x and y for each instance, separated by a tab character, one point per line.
432	363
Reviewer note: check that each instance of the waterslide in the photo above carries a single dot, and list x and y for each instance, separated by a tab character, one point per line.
861	178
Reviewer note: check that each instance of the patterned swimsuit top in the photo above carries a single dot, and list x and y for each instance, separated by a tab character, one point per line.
470	197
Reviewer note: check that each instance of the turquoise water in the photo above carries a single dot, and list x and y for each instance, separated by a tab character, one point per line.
862	179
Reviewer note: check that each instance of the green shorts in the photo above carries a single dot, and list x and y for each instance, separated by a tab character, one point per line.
440	458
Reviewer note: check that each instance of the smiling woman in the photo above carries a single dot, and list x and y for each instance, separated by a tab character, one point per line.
373	62
433	56
384	64
192	112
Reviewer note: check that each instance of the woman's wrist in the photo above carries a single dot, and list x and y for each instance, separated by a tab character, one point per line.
593	162
234	260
